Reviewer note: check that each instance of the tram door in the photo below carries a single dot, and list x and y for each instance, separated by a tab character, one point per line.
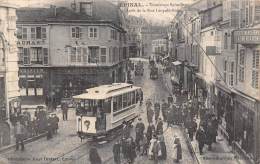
101	117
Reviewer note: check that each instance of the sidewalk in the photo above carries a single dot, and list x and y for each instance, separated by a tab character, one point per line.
28	140
221	151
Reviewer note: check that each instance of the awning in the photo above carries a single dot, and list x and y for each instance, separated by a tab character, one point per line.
176	62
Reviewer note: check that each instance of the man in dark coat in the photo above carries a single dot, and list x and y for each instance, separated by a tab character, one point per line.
64	108
19	132
165	109
139	131
150	131
201	137
117	152
192	128
215	127
150	114
159	127
157	109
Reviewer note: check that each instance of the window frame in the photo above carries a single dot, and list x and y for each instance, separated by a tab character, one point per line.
255	69
76	32
241	75
103	56
93	32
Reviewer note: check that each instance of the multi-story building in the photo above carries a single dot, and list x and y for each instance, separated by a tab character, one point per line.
159	47
149	33
63	51
227	33
135	25
9	90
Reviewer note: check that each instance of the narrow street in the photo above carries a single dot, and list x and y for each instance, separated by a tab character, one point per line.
67	148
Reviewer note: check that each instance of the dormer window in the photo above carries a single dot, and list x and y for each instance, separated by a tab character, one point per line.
86	7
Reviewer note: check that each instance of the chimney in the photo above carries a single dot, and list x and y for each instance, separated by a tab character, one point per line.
54	10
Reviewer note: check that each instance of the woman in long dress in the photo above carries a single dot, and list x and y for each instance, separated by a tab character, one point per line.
177	150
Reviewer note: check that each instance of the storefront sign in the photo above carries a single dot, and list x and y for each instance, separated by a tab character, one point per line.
248	36
30	42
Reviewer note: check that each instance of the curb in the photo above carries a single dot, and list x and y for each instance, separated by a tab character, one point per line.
29	140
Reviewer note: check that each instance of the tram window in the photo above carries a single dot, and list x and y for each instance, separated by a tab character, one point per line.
133	97
115	104
107	106
129	99
119	100
124	100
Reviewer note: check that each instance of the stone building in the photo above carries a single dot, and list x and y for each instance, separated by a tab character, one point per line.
63	51
9	90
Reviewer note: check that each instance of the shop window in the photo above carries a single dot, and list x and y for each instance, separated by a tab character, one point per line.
76	32
93	32
255	69
103	55
26	56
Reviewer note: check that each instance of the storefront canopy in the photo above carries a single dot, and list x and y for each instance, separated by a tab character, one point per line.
176	62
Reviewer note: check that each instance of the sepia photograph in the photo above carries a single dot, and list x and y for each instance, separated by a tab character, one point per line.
129	82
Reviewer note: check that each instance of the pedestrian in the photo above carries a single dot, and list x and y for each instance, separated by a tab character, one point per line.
177	149
124	147
131	150
159	126
163	155
156	151
125	129
157	110
152	142
150	131
143	145
94	157
64	108
165	109
201	137
56	123
139	131
117	152
210	133
192	127
19	131
215	127
150	114
148	104
49	128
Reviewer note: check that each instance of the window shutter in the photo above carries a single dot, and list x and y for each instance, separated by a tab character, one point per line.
45	56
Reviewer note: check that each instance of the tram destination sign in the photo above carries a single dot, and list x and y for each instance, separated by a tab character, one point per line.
247	36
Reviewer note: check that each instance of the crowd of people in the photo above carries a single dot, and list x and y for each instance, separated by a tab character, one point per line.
27	126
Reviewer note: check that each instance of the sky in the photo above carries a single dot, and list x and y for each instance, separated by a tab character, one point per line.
156	11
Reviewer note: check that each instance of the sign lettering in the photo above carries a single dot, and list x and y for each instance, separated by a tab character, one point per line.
247	36
30	42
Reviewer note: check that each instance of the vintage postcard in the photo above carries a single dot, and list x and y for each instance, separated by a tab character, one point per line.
129	81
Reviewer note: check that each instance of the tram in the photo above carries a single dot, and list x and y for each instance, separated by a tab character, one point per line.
102	109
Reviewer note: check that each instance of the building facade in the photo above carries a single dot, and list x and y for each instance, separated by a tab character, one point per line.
9	90
63	51
227	57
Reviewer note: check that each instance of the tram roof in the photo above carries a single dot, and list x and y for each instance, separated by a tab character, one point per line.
106	91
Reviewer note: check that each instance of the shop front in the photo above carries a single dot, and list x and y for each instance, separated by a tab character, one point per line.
224	109
246	127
